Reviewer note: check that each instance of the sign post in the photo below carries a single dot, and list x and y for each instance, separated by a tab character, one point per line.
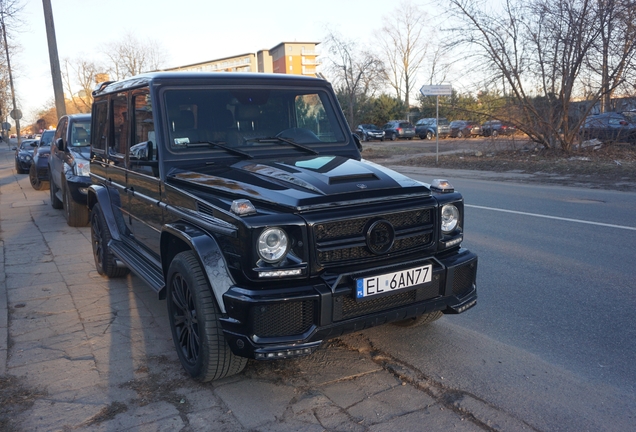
437	90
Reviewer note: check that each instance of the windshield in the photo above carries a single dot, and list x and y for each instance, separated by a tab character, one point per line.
47	137
250	118
80	133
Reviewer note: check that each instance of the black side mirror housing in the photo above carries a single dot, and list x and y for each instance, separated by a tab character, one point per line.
59	143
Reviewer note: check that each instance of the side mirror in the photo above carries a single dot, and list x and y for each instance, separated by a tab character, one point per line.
59	143
14	148
142	152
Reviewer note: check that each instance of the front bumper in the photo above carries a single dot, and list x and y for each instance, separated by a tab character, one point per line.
24	164
371	135
42	168
78	187
269	324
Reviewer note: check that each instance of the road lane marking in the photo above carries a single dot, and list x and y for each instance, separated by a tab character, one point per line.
552	217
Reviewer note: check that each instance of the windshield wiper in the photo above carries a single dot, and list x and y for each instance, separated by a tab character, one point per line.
285	140
224	147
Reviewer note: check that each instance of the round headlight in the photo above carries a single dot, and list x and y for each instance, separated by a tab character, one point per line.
450	218
272	244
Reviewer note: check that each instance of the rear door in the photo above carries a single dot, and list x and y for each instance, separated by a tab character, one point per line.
143	182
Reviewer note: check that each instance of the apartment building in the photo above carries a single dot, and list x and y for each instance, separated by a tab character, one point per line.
298	58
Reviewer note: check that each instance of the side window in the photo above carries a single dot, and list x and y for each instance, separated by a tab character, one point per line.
143	122
60	132
100	126
143	152
118	145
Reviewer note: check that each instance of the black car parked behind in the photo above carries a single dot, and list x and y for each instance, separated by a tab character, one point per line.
69	167
39	170
24	155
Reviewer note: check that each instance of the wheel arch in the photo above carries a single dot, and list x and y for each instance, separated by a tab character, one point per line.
177	238
99	194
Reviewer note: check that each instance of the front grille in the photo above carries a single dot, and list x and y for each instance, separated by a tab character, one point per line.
343	241
463	279
282	319
347	307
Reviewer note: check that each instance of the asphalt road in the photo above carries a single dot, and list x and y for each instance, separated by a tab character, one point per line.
552	336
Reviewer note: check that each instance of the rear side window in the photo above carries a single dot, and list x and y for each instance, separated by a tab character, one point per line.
100	125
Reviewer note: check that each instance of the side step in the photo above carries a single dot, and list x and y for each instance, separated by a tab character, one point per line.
140	265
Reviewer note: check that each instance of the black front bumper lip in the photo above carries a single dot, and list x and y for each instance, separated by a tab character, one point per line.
243	342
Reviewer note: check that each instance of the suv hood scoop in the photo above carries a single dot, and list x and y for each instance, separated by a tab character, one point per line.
304	183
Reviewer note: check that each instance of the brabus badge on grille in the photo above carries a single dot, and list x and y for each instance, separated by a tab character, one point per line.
380	237
361	186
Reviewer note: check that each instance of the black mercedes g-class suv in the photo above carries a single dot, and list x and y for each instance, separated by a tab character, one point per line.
242	199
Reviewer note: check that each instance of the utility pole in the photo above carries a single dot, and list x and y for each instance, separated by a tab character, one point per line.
15	110
56	74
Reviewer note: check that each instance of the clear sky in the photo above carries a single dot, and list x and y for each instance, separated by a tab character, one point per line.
191	31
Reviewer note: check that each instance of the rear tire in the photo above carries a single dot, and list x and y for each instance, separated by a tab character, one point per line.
194	321
76	214
430	135
460	134
417	321
393	137
105	262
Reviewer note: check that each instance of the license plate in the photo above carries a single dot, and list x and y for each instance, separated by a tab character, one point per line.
391	282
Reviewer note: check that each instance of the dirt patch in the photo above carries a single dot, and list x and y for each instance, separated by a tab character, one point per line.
610	166
15	398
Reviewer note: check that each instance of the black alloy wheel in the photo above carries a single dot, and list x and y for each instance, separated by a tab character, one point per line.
194	322
105	261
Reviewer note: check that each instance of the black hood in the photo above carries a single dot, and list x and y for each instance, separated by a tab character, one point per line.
303	183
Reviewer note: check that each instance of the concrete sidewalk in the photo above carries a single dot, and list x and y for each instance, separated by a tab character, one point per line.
89	353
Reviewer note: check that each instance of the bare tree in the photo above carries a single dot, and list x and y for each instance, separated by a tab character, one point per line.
404	44
9	20
356	75
537	50
612	55
130	56
80	76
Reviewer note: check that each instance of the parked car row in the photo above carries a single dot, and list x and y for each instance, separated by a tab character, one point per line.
610	126
59	161
428	128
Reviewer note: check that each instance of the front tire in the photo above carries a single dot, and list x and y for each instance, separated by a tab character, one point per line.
76	214
194	322
105	262
417	321
35	181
